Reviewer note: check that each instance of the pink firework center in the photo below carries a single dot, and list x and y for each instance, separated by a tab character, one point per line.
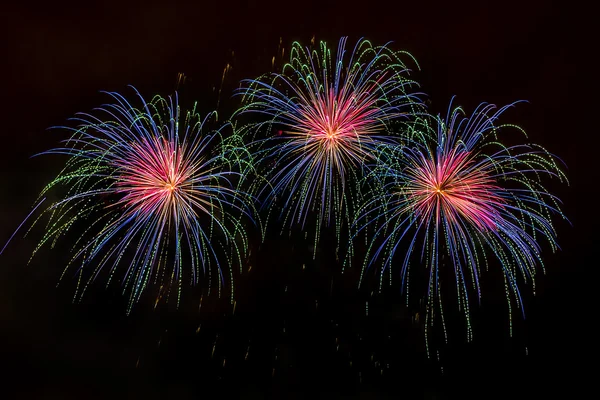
156	177
453	189
337	122
337	131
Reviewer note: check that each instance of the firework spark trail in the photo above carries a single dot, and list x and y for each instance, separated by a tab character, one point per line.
462	196
21	224
333	115
151	185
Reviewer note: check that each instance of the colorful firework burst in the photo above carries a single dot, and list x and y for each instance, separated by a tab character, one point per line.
463	197
148	186
330	116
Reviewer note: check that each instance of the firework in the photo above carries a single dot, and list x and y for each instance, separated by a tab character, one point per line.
325	117
456	200
151	192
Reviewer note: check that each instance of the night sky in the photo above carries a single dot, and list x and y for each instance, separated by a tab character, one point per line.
295	332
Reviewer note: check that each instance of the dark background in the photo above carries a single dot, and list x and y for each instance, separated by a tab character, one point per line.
56	58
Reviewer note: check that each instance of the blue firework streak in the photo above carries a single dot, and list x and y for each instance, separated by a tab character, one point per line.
331	113
462	197
154	194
